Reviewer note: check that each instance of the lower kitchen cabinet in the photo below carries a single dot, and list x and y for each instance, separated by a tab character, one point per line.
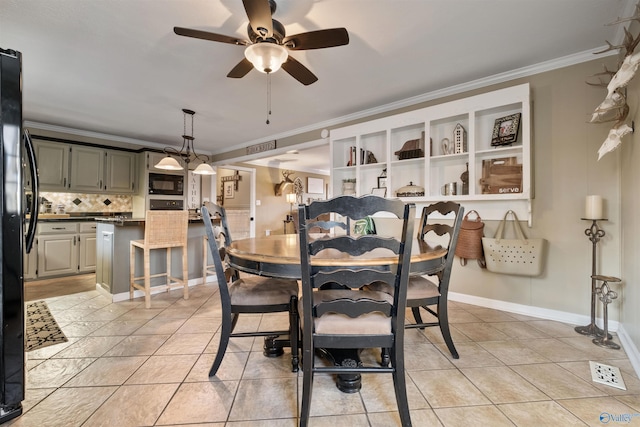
65	248
30	268
104	267
57	254
87	250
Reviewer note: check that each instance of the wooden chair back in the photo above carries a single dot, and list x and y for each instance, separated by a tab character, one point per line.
346	277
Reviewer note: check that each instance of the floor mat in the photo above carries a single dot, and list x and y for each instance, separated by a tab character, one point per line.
41	328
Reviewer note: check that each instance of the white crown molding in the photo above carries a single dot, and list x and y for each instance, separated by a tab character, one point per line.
90	134
407	102
542	67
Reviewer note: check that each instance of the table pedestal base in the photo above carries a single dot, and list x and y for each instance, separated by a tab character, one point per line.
273	346
346	383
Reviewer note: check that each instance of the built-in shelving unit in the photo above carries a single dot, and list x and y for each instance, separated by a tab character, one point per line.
436	145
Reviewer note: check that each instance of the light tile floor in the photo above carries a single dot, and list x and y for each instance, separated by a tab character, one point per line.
125	365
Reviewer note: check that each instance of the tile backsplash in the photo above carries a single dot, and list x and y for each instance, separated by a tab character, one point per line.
79	202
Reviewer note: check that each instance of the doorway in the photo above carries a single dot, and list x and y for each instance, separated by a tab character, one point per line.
236	191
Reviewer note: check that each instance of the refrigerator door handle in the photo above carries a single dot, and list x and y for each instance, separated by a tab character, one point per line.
33	168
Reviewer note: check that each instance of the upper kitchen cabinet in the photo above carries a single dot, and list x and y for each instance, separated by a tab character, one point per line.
475	151
121	172
53	165
87	169
96	170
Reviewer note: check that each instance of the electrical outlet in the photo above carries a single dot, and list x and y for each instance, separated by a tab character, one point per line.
607	375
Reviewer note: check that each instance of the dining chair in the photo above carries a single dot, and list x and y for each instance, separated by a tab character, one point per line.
336	313
224	237
247	294
424	292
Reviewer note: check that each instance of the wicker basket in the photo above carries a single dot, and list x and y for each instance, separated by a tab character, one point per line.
470	239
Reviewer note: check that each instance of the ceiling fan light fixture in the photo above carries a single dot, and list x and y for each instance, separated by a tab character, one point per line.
266	57
169	163
204	169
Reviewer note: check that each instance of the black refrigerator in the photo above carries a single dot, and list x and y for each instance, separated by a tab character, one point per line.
18	196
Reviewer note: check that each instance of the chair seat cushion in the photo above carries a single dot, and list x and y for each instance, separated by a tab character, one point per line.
419	288
256	290
374	323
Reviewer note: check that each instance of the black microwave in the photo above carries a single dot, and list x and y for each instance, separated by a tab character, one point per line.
166	184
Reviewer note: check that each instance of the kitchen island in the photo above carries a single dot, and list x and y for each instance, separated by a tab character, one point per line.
113	235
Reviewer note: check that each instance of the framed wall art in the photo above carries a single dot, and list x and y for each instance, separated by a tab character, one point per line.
505	130
315	185
229	190
382	192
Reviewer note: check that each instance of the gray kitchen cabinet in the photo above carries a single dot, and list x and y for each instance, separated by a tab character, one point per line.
65	248
87	169
120	172
30	262
104	265
87	249
57	255
53	165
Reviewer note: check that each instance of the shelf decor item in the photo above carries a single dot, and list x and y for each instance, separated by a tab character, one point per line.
459	139
411	149
349	186
505	130
382	179
410	191
501	176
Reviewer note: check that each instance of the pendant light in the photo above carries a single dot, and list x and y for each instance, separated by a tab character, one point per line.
186	152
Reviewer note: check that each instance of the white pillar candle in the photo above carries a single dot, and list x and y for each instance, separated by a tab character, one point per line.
593	207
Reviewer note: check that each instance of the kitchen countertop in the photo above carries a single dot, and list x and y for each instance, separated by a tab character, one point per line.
124	221
77	217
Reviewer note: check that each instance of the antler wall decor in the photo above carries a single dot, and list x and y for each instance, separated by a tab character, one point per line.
283	186
614	108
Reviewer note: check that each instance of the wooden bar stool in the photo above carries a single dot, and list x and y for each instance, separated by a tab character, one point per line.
162	230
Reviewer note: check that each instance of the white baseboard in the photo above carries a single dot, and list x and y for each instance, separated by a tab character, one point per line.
124	296
560	316
630	348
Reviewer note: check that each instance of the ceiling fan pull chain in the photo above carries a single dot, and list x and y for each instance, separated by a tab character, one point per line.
268	96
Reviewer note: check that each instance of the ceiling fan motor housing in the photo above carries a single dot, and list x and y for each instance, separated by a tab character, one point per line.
278	33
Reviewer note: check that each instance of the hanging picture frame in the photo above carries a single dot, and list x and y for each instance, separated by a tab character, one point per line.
382	192
505	130
229	190
315	185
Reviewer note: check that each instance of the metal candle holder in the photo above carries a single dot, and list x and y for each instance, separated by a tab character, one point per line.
594	233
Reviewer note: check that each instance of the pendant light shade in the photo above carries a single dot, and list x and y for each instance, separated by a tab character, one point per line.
266	57
204	169
169	163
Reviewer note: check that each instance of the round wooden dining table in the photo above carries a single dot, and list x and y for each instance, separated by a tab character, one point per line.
279	256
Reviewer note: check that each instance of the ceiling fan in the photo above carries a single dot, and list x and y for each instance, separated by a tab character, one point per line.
268	49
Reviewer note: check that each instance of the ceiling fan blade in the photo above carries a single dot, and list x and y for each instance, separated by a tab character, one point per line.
299	71
205	35
317	39
241	69
259	14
